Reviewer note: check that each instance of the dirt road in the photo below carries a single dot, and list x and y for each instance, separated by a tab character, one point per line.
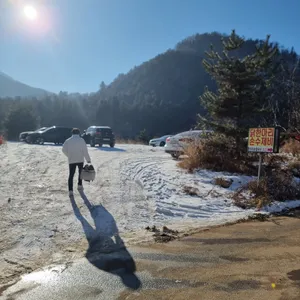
253	260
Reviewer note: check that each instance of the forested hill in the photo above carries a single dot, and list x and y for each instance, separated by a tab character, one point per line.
160	96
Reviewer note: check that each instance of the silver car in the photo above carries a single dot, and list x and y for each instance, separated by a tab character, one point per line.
159	142
177	144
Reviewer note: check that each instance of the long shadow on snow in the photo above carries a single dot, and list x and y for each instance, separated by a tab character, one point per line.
106	250
108	149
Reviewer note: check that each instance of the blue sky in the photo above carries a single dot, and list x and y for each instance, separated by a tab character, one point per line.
75	44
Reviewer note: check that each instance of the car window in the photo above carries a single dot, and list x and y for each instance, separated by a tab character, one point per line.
103	130
50	130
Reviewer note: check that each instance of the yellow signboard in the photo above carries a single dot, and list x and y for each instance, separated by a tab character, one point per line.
261	140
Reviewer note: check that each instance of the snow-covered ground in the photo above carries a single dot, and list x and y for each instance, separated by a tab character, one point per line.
139	186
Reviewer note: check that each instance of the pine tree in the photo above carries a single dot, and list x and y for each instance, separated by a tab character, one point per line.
143	137
241	99
20	118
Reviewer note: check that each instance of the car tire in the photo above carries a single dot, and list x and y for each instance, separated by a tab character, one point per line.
92	143
41	141
162	144
100	145
112	145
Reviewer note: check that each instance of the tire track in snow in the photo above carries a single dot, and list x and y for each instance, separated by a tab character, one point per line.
163	182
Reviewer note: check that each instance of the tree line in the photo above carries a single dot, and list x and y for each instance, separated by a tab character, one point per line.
240	83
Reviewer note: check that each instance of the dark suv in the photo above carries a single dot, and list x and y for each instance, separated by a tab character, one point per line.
54	134
99	135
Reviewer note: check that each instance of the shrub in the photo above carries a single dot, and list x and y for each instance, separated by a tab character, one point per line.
218	153
2	140
193	157
294	167
291	147
278	185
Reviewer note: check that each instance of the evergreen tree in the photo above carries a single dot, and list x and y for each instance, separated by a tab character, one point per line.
285	94
20	118
241	98
143	137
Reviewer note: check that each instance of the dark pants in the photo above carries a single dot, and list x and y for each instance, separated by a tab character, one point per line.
72	169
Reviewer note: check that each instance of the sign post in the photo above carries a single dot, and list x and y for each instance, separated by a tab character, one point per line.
259	168
263	140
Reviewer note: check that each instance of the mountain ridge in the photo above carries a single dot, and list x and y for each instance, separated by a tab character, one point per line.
9	87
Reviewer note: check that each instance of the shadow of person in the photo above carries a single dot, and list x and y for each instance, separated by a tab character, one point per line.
106	250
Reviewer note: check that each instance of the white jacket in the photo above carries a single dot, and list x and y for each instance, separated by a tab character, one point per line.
76	150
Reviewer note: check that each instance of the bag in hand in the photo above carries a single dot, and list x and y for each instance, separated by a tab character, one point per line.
88	173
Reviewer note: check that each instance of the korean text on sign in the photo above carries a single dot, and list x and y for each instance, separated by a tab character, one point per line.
261	139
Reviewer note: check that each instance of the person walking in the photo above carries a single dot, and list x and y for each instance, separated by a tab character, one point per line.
75	149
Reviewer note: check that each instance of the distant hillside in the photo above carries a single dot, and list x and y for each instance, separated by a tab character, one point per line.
162	95
12	88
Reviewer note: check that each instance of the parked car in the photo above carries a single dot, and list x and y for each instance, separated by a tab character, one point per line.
159	141
177	144
23	135
99	135
54	134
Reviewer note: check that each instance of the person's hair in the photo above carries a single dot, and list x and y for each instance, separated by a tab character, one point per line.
75	131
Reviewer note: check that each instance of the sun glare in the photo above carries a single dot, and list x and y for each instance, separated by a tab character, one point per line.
30	12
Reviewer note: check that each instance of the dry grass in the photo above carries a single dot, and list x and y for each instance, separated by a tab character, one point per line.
217	153
292	147
223	182
278	185
192	160
2	141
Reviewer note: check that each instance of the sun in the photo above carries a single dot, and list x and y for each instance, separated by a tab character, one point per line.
30	12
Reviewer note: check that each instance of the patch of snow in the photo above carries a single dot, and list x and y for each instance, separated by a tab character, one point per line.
164	182
276	207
